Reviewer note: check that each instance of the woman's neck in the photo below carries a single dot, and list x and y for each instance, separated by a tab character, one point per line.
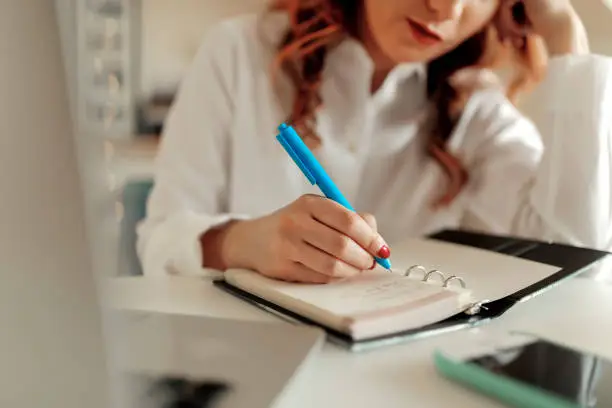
382	64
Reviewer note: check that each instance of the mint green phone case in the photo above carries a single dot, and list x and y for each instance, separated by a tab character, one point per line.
507	390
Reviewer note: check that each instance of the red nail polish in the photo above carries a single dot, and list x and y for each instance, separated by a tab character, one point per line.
373	264
384	252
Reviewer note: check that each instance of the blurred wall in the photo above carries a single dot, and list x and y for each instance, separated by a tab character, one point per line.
172	31
66	15
51	348
598	20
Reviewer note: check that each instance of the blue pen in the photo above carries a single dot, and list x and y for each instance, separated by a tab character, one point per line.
314	172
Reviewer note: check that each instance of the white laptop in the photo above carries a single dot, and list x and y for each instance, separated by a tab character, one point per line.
187	361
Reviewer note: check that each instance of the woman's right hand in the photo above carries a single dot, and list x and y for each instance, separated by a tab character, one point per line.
312	240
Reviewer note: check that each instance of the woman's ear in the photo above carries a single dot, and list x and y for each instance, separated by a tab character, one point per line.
511	20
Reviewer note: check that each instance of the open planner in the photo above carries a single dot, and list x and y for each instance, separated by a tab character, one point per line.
448	281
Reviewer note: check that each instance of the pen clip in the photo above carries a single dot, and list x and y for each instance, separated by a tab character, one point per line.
296	158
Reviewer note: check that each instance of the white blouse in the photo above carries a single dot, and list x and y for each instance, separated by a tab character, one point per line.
219	158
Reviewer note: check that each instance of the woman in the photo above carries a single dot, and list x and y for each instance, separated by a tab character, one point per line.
374	87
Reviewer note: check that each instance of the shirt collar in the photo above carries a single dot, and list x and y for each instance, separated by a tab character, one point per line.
351	61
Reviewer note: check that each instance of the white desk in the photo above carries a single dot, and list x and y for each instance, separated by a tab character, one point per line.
579	312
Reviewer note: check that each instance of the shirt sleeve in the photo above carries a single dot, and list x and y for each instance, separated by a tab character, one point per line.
549	178
191	170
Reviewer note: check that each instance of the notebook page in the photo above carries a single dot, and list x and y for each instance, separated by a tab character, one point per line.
487	274
370	292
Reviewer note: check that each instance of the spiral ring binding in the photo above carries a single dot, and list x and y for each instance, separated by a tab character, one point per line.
434	272
415	267
452	278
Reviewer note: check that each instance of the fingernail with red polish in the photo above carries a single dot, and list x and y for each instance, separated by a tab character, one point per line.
384	252
373	264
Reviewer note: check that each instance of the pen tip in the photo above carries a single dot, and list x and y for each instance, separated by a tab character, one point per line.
384	263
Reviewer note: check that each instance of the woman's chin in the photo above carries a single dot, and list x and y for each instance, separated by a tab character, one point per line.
408	50
412	55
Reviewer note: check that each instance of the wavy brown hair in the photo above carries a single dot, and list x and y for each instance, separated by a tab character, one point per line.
316	26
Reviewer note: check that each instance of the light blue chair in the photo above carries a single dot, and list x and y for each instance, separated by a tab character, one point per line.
134	199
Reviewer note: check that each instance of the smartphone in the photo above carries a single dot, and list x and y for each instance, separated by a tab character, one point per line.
525	371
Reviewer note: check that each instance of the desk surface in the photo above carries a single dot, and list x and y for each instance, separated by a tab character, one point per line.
578	313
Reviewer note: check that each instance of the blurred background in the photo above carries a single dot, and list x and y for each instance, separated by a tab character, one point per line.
125	60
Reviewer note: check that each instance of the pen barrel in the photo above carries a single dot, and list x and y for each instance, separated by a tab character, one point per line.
313	170
333	193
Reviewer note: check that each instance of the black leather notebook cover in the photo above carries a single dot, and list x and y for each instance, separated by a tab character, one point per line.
572	261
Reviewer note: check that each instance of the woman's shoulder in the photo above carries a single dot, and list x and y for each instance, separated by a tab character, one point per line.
245	36
238	49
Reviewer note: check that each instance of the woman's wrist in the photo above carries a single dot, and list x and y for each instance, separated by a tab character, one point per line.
222	247
566	35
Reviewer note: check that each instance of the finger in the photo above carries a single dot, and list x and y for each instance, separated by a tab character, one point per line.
349	223
324	263
302	274
473	79
536	56
519	42
370	220
335	243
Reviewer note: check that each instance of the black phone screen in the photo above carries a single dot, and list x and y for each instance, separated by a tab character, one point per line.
579	378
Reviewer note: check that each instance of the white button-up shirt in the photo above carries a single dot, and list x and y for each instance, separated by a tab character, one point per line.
547	178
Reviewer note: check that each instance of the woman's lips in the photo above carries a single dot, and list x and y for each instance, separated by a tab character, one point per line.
422	34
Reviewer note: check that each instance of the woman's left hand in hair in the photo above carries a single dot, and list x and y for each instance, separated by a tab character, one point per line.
555	21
